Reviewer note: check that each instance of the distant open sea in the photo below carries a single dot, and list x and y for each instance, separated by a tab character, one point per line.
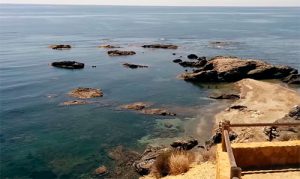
42	139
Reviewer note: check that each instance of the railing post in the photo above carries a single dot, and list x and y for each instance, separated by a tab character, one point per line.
224	126
235	173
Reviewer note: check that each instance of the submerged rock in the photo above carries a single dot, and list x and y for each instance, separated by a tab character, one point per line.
68	65
225	96
160	46
187	144
75	102
157	111
144	164
134	66
84	93
108	46
193	64
60	47
230	69
120	53
135	106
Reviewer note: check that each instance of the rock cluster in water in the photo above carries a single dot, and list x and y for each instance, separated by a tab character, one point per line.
120	53
108	46
68	64
60	47
144	108
134	66
84	93
230	69
162	46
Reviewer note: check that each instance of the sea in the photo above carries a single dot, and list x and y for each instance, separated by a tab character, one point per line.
41	138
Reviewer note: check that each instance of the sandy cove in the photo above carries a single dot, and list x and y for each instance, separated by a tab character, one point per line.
265	102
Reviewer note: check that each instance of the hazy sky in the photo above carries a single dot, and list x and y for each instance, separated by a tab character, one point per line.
164	2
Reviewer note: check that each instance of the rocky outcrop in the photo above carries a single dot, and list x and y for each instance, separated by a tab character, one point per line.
68	65
135	106
157	111
230	69
295	112
162	46
120	53
225	96
193	64
108	46
292	79
144	108
134	66
60	47
145	162
85	93
186	144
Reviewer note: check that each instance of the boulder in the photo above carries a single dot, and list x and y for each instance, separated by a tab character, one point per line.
60	47
292	79
192	56
144	164
68	65
108	46
202	58
217	138
134	66
187	144
225	96
162	46
135	106
120	53
295	112
85	93
230	69
193	64
157	111
177	61
100	171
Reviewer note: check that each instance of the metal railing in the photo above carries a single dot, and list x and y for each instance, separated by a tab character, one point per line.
235	171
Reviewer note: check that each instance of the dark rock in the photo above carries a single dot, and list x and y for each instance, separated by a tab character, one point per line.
173	53
201	58
68	65
144	164
192	56
160	46
292	79
185	144
177	60
238	107
94	66
295	112
202	76
193	64
217	138
60	47
157	111
120	53
134	66
225	96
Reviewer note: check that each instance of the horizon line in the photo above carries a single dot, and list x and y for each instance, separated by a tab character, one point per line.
136	5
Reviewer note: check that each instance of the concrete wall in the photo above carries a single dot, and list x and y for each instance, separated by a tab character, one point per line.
259	155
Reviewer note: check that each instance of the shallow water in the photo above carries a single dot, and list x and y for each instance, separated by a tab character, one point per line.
41	139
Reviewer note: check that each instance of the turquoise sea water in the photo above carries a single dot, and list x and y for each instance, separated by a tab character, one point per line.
42	139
